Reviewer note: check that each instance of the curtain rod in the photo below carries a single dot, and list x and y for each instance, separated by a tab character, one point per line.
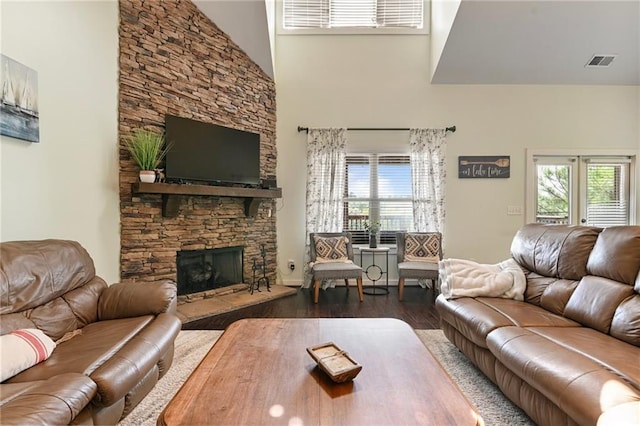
451	129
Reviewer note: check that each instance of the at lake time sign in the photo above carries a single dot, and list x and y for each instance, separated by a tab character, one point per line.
490	167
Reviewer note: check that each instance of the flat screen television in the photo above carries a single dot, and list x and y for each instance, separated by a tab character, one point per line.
211	153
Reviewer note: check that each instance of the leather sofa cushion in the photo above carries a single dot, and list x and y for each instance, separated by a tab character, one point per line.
577	384
85	352
476	318
11	322
35	272
609	352
616	254
55	401
559	251
525	314
69	312
595	300
116	354
626	321
549	292
623	414
471	318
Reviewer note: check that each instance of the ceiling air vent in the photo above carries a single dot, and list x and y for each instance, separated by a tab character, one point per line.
600	61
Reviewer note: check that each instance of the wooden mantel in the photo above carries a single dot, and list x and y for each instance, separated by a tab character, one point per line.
171	193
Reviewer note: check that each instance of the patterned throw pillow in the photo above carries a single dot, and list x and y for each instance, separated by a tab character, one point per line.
21	349
330	249
422	248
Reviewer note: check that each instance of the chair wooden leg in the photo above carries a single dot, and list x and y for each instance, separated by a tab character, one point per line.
360	291
435	284
400	288
346	283
316	290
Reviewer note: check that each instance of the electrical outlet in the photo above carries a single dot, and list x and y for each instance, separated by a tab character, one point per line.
291	264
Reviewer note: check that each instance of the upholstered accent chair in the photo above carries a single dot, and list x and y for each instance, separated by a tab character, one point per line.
331	255
418	257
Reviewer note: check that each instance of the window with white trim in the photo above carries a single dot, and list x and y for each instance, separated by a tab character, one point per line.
594	190
319	14
378	189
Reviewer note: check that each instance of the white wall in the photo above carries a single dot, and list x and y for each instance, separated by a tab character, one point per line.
383	81
66	186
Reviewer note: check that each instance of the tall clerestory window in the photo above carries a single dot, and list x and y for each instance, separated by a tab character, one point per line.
314	14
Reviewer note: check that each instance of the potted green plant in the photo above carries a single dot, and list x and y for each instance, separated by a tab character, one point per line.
373	228
147	149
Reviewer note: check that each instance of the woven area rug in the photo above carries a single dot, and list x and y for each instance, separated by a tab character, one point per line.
192	346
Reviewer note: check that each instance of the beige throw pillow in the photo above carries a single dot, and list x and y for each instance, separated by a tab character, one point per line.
422	248
331	249
21	349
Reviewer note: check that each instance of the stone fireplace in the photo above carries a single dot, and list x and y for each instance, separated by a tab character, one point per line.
174	60
209	269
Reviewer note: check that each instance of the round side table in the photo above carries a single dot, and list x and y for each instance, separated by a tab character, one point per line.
374	272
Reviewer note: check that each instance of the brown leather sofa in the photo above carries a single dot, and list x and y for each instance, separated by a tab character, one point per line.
114	342
569	354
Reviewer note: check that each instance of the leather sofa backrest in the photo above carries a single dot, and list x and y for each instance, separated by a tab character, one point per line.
616	254
555	259
50	285
559	251
590	275
607	299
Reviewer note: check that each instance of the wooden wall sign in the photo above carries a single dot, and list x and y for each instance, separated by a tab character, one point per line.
491	167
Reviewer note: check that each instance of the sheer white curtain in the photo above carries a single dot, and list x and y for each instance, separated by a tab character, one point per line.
428	175
326	169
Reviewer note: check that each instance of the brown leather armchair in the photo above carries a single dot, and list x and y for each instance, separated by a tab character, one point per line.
113	342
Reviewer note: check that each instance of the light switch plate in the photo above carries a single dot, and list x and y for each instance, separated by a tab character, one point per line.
514	210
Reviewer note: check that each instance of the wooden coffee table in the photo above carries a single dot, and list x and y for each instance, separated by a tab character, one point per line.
259	373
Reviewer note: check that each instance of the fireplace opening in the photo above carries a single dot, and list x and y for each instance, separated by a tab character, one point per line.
202	270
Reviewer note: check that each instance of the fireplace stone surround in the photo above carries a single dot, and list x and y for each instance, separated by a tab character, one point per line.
174	60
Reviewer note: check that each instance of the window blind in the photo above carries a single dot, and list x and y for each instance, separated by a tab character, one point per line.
353	13
607	202
305	14
378	189
400	13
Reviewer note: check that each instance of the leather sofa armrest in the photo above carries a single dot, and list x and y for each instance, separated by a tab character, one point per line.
57	400
627	413
125	300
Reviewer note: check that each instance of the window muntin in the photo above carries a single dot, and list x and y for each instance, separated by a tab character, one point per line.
378	189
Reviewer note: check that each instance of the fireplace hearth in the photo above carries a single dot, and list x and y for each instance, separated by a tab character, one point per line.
209	269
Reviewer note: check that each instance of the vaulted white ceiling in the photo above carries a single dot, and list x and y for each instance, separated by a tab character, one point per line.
246	22
542	42
493	42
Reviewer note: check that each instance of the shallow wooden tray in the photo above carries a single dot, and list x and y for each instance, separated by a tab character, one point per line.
338	365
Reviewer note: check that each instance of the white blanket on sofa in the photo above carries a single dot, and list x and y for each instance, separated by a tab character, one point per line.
466	278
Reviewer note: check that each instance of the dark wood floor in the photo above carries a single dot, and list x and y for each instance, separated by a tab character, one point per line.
416	309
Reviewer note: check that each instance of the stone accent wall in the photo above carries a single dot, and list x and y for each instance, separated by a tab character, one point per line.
174	60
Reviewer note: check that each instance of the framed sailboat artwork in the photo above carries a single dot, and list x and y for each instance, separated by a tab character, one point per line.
19	116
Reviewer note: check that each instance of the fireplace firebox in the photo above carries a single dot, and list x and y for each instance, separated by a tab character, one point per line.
202	270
